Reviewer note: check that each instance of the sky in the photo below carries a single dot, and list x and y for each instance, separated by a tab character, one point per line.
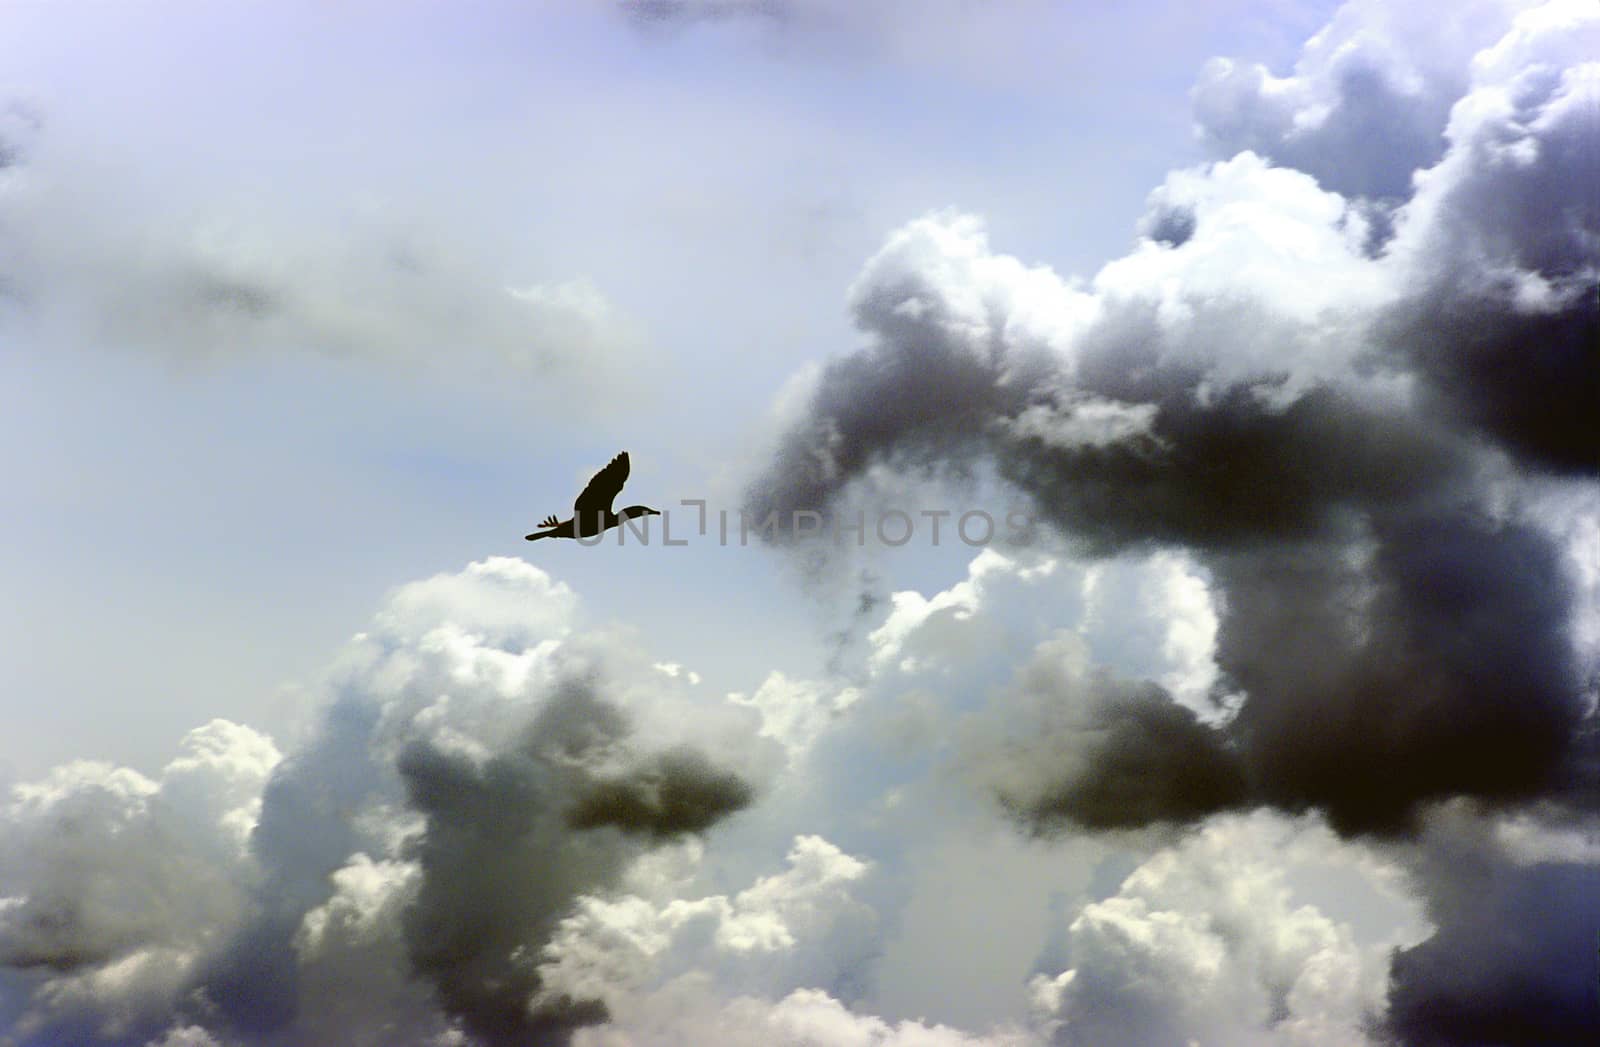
1277	323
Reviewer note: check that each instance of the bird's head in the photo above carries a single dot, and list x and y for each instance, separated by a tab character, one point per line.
638	510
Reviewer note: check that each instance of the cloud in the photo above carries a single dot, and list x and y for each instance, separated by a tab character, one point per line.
186	1036
799	926
1205	941
1345	378
797	712
1080	746
131	264
1367	102
667	12
1512	957
1504	242
678	792
481	766
115	887
803	1017
1322	427
1321	543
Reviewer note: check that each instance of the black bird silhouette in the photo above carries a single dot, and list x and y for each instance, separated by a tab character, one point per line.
591	513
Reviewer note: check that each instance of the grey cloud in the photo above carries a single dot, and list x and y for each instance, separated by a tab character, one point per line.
1280	502
1344	502
1474	355
238	897
1513	956
510	844
1453	636
103	869
1356	471
678	792
1515	964
305	832
1372	133
1367	102
1506	328
1083	748
498	871
119	263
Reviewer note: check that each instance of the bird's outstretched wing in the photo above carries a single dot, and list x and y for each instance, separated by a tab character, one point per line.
603	489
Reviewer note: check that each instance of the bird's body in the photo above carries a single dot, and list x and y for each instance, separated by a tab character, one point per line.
591	513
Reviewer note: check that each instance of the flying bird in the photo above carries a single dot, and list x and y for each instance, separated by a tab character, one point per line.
591	513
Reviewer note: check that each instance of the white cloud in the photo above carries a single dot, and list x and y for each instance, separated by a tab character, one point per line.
118	885
186	1036
800	926
684	1015
1205	942
796	712
921	633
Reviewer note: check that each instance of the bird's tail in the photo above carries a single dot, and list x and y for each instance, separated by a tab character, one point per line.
547	523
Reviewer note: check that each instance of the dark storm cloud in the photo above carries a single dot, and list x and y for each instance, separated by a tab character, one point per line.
1234	472
1135	758
1396	639
1440	667
1514	958
1355	570
498	871
304	833
501	857
511	843
916	397
1528	380
676	793
1514	351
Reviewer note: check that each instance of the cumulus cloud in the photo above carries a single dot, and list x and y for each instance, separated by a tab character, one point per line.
802	1018
1367	101
1347	374
1334	471
1512	958
796	712
395	877
800	926
1503	239
1080	745
1206	942
116	887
